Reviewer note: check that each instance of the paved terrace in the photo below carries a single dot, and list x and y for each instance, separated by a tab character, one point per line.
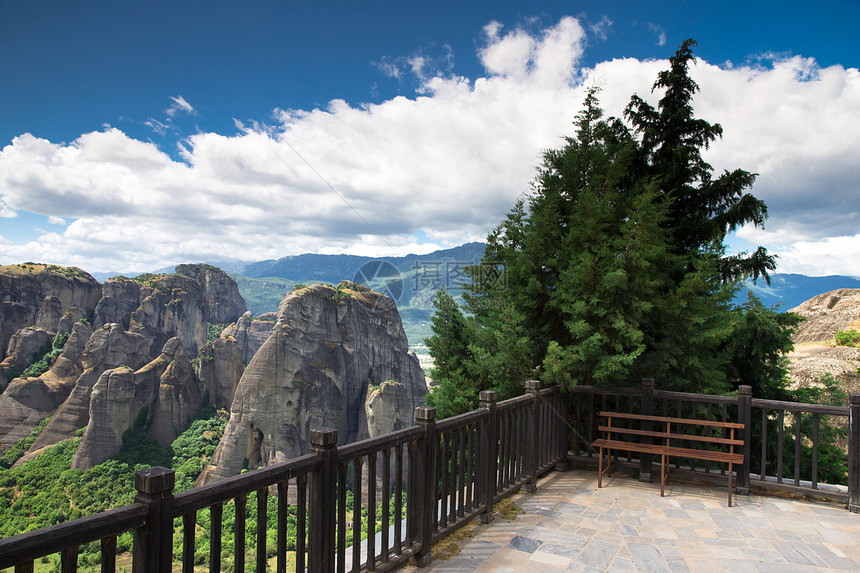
626	526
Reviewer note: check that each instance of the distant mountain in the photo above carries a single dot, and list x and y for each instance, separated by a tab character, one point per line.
790	290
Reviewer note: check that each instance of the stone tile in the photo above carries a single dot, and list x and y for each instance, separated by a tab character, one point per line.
524	544
648	558
597	554
547	558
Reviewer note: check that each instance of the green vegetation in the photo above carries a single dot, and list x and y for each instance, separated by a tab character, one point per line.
213	331
340	295
847	338
263	294
14	453
46	356
614	269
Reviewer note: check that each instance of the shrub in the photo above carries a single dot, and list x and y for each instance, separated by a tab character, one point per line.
847	338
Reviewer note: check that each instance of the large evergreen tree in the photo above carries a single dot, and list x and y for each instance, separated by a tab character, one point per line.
614	268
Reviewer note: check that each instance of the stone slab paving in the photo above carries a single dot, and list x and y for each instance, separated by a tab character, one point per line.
626	526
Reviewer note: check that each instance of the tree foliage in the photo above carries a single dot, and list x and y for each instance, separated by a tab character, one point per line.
615	269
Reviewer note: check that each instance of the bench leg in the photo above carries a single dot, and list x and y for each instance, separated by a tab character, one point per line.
600	469
662	475
730	484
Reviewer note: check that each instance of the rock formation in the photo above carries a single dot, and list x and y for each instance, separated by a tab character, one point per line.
220	291
39	295
814	354
329	349
250	333
23	347
163	393
220	368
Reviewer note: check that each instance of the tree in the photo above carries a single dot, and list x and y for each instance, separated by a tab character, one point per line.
614	268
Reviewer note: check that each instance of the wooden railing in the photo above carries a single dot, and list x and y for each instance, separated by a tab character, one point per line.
436	475
769	439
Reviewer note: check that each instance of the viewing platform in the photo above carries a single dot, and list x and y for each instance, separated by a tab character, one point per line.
570	524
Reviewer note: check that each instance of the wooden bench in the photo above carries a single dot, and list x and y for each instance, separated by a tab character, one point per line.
663	443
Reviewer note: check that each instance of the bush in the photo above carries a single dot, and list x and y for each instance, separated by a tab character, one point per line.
847	338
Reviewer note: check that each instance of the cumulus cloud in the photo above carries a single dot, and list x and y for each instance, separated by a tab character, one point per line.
450	161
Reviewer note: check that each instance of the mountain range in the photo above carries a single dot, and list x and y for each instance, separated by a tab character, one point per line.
412	279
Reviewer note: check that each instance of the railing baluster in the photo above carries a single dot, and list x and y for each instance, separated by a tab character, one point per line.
356	514
781	432
108	553
386	503
69	560
797	448
301	521
443	467
763	444
215	514
815	422
398	498
239	532
461	491
371	511
26	567
283	510
262	510
189	524
341	516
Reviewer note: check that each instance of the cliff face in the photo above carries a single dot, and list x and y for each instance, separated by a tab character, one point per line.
250	333
328	351
39	295
814	354
147	320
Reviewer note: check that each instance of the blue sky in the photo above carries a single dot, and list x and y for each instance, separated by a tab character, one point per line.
134	135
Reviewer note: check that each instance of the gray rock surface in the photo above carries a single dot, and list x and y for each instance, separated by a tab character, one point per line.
220	368
326	351
826	314
25	288
223	300
250	333
108	347
24	346
165	387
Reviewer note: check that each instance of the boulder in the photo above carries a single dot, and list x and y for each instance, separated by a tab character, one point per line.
328	348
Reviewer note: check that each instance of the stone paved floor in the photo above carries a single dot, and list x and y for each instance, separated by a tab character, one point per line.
626	526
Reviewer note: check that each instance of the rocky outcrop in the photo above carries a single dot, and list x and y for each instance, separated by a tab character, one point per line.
64	391
223	300
160	397
24	346
815	355
826	314
386	410
220	367
250	333
160	307
35	294
328	349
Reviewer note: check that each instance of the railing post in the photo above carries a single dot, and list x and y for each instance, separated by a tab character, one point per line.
562	435
488	455
647	410
321	505
422	476
745	418
854	453
153	543
532	436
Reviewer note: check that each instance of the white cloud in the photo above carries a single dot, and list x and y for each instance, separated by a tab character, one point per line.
450	161
659	32
57	220
178	106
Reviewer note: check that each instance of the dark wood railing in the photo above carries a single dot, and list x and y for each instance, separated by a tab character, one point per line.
438	475
765	453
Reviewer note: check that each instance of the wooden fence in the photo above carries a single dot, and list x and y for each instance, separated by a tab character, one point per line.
437	475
